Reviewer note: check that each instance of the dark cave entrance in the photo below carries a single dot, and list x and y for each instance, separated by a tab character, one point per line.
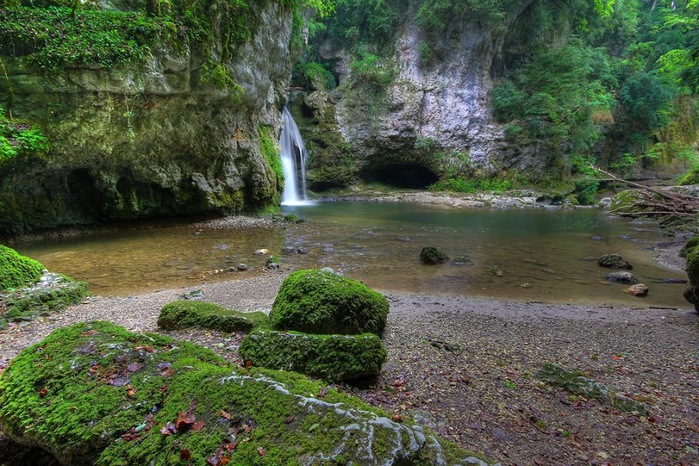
400	175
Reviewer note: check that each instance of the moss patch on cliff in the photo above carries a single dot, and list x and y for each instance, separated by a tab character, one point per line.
333	358
17	270
187	313
272	154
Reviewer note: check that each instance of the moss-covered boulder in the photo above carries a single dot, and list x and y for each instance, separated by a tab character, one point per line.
17	270
186	313
576	383
52	293
334	358
94	393
691	177
691	255
320	302
613	261
692	243
431	255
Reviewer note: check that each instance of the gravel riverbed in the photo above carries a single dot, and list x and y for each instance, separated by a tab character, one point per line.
467	368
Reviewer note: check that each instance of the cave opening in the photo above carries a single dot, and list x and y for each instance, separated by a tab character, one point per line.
400	175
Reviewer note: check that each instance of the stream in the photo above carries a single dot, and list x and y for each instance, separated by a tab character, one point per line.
523	254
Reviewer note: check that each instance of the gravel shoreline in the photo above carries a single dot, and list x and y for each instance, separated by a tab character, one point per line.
466	367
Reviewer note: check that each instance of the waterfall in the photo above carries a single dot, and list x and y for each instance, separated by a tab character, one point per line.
293	162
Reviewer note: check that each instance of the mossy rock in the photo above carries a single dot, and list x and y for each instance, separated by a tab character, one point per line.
576	383
691	177
17	270
334	358
186	313
691	294
431	255
28	303
320	302
94	393
626	201
692	243
614	261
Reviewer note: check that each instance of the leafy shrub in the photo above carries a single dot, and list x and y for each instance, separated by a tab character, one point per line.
373	71
315	76
20	139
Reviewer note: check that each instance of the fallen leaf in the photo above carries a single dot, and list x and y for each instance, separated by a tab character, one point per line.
43	392
289	419
248	364
396	418
130	391
261	451
322	392
185	454
184	421
225	415
199	425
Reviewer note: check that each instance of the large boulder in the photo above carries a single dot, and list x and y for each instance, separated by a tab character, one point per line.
691	255
319	302
187	313
17	270
334	358
96	394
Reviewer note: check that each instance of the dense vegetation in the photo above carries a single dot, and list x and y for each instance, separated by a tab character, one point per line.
610	82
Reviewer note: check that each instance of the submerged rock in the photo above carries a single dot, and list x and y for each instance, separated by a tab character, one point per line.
613	261
186	314
622	277
334	358
639	290
432	255
315	301
94	393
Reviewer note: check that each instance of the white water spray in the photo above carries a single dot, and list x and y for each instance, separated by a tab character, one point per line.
293	162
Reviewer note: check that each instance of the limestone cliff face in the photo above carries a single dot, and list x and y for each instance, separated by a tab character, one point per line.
437	106
149	140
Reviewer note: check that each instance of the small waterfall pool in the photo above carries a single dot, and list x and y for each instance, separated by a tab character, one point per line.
528	255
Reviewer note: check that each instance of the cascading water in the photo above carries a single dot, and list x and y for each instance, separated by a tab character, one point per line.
293	162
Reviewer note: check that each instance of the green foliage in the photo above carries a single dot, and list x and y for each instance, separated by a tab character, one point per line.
359	22
691	177
647	99
586	190
55	40
472	185
434	14
334	358
315	76
20	139
372	71
17	270
319	302
187	313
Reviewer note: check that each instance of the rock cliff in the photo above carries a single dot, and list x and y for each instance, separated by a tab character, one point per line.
150	139
434	117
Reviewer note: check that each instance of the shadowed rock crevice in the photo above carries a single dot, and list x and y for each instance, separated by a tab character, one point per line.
400	175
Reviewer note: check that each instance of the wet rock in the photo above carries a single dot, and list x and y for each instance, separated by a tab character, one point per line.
605	202
272	262
327	269
261	252
622	277
639	290
302	250
243	267
462	260
432	255
195	295
405	239
576	383
289	251
613	261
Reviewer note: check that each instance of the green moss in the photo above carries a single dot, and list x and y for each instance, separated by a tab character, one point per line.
17	270
333	358
689	245
93	393
187	313
576	383
319	302
28	304
271	152
691	177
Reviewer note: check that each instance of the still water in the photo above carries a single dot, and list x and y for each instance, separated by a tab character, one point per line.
530	255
